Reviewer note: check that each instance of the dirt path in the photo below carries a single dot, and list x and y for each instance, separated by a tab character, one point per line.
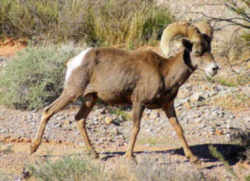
14	162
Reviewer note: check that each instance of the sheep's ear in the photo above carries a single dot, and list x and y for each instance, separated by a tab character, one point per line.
187	44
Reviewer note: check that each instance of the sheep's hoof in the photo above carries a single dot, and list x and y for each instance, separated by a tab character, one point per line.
33	148
93	154
130	158
194	159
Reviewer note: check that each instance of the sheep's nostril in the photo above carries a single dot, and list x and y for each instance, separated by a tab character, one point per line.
198	53
215	68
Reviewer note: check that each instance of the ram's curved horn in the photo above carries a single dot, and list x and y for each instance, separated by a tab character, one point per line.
205	28
180	28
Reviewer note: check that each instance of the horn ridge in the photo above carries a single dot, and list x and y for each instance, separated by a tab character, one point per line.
179	28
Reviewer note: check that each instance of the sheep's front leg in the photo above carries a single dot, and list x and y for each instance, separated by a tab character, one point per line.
137	114
171	114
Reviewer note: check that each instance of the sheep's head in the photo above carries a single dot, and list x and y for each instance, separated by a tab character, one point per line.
204	62
197	42
199	47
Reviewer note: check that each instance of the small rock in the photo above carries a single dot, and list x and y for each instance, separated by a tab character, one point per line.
102	110
57	125
218	132
115	131
60	117
197	97
68	122
211	131
202	126
3	131
108	120
232	117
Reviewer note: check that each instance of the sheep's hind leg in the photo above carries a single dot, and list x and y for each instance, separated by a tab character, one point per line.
48	112
81	117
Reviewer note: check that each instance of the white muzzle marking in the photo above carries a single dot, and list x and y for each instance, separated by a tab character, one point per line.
75	62
211	69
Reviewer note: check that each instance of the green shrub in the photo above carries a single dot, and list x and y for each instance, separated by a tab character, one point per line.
99	22
248	178
34	77
216	154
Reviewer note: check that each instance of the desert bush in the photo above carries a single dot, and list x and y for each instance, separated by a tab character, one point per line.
242	137
216	154
68	168
98	22
27	17
248	178
34	77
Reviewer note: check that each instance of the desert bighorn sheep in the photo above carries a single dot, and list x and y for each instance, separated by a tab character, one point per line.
140	78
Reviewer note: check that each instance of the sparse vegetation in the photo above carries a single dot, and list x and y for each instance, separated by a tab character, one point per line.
239	137
96	22
248	178
242	137
77	168
120	112
233	81
236	49
234	100
68	168
34	77
215	153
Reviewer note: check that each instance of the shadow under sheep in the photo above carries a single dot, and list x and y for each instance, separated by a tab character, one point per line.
232	153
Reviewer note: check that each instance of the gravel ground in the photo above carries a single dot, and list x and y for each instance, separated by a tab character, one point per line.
197	117
157	142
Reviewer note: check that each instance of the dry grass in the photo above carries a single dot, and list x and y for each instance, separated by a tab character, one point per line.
78	168
233	101
236	49
99	22
242	78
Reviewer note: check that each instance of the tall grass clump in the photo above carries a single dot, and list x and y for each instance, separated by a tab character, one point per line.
98	22
34	77
129	23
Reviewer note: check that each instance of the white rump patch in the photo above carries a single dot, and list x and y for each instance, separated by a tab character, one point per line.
75	62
